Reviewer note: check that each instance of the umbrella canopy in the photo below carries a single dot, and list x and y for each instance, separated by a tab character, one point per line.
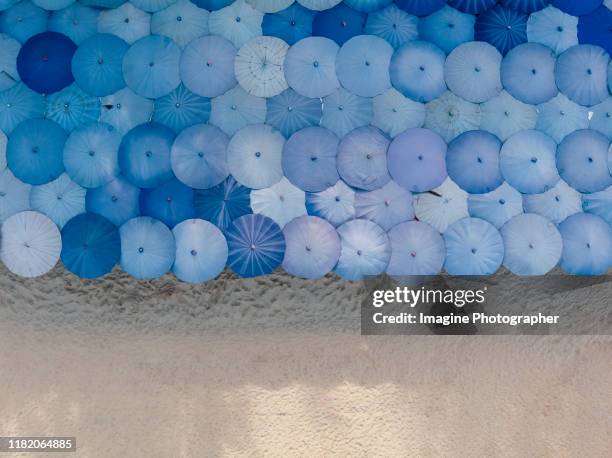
290	25
309	159
312	247
364	250
201	251
581	74
425	151
587	245
199	156
3	142
182	22
60	200
527	162
577	8
151	66
207	66
582	160
395	26
443	206
31	244
362	158
472	6
126	22
281	202
319	5
394	113
595	27
19	103
254	156
23	20
473	247
498	206
601	120
102	3
340	23
344	111
420	7
223	203
117	201
256	245
8	62
270	6
560	116
556	204
237	109
14	195
212	5
289	112
170	203
416	249
238	23
504	116
525	6
152	6
553	28
71	108
91	246
367	6
51	5
599	203
447	28
124	110
335	204
503	27
144	155
449	115
310	67
77	22
34	151
181	109
147	248
387	206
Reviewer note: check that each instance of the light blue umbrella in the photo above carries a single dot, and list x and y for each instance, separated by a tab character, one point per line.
3	142
503	27
599	203
289	112
442	206
223	203
394	113
281	202
340	23
581	74
52	5
148	248
498	206
365	250
23	20
587	245
416	249
19	103
449	115
181	109
60	200
309	159
335	204
201	251
395	26
8	62
237	22
151	66
270	6
504	116
90	154
344	111
14	195
77	22
387	206
473	247
182	22
319	5
124	110
560	116
127	22
553	28
199	156
472	6
362	158
152	6
290	25
170	202
236	109
556	204
447	28
117	201
421	7
601	120
71	108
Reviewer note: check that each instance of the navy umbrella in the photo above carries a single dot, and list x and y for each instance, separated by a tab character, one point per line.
171	202
472	6
420	7
341	23
290	25
223	203
595	28
577	8
504	28
525	6
117	201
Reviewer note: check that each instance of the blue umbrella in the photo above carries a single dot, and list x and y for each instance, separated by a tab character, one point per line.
102	3
340	23
124	110
362	158
472	6
90	154
237	109
395	26
201	251
270	6
312	247
182	22
310	67
281	202
582	160
344	111
290	25
117	201
425	151
14	195
127	22
416	249
181	109
212	5
148	248
335	204
553	28
442	206
254	156
504	116
527	162
532	245
595	27
556	204
23	20
199	156
171	202
450	115
3	142
587	245
447	28
504	28
151	66
525	6
365	250
5	4
152	6
309	159
318	5
18	104
238	23
602	118
367	6
34	151
417	71
362	65
144	155
560	116
60	200
52	5
599	203
498	206
420	7
473	247
256	245
581	74
387	206
577	8
394	113
223	203
77	22
8	62
289	112
71	108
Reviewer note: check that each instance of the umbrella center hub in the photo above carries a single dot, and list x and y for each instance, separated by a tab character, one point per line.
559	28
100	61
590	159
533	71
562	113
413	254
114	199
557	199
308	248
368	156
479	160
59	197
506	113
394	110
589	71
387	203
179	18
420	157
209	63
169	199
534	160
92	153
148	153
292	22
313	158
177	105
151	64
20	19
477	69
238	19
531	246
193	252
422	68
200	154
234	107
127	20
141	250
315	64
2	194
452	112
502	201
252	247
118	106
473	250
35	149
394	26
608	115
289	108
26	244
85	246
359	253
451	25
257	153
367	63
281	198
9	105
45	58
337	198
588	245
343	23
66	106
340	107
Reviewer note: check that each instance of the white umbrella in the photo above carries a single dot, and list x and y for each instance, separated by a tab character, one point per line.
259	66
281	202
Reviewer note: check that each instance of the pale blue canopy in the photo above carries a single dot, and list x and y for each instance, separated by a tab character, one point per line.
127	22
335	204
498	206
51	5
449	115
238	22
387	206
77	22
117	201
124	110
556	204
236	109
344	111
151	6
560	116
447	28
181	109
362	158
291	24
416	249
319	5
601	120
504	116
395	26
442	206
20	103
23	20
365	250
281	202
182	22
8	62
289	112
599	203
14	195
587	245
553	28
60	200
72	107
394	113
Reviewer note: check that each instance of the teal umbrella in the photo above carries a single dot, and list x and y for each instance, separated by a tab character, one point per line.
77	22
72	107
8	62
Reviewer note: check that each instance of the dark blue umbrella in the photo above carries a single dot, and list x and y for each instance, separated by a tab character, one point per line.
335	204
575	8
416	249
420	7
19	103
525	6
365	250
447	28
599	203
553	28
587	245
223	203
596	28
341	23
395	26
290	25
387	206
117	201
581	74
77	22
71	107
23	20
212	5
103	3
472	6
556	204
289	112
91	246
504	28
171	202
181	109
498	206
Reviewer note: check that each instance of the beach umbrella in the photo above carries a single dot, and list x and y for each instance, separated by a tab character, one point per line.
601	120
77	22
8	62
473	247
416	160
170	203
23	20
599	203
237	109
281	202
560	116
91	246
309	159
182	22
14	195
362	158
31	244
289	112
201	251
152	6
147	248
312	247
504	116
117	201
394	113
290	25
124	110
472	6
447	28
344	111
199	156
417	71
335	204
61	199
553	28
577	8
223	203
259	66
254	156
19	103
532	245
270	6
151	66
34	151
416	249
310	67
581	73
102	3
71	108
51	5
556	204
472	161
212	5
594	28
387	206
362	65
525	6
587	245
442	206
420	7
395	26
497	206
450	115
318	5
238	22
256	245
582	160
340	23
527	162
126	22
181	109
504	28
365	250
